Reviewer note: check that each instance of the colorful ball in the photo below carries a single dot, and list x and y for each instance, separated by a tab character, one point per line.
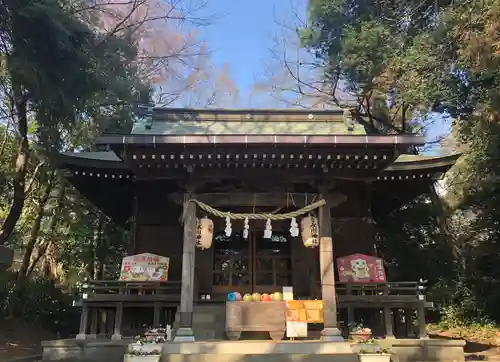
247	297
231	297
277	296
256	297
265	297
237	296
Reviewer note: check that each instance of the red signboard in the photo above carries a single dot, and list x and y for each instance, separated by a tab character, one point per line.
360	268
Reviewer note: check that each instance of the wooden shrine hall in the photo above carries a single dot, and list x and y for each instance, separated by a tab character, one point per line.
246	203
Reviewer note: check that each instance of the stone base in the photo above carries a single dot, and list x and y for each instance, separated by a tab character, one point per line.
208	321
402	350
75	350
184	335
332	335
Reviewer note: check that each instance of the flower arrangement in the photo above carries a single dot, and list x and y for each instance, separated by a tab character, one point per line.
359	333
151	337
372	347
358	328
141	352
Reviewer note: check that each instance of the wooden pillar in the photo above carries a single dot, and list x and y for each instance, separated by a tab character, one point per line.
117	330
422	332
156	314
388	321
350	315
409	322
185	331
83	322
94	320
103	321
110	322
326	262
132	247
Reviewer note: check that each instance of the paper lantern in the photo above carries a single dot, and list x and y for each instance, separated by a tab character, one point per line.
309	230
204	233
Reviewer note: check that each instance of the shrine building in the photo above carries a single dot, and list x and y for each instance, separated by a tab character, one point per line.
252	201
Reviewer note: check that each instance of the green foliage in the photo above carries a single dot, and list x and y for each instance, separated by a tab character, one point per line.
411	243
420	56
43	304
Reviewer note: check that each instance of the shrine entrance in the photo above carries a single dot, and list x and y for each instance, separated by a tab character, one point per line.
252	265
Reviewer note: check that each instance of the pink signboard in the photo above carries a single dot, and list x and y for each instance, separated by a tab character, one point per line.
360	268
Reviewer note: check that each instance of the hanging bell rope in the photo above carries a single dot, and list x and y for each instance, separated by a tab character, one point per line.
258	216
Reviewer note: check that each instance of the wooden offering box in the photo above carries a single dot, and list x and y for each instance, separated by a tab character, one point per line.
255	317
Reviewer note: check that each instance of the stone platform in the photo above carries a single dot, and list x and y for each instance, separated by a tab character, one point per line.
403	350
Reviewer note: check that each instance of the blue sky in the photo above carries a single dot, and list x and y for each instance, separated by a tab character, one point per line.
243	36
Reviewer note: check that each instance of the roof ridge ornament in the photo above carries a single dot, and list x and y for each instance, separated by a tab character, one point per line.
143	114
348	118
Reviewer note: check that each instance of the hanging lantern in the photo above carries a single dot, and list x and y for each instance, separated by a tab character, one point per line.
309	231
204	233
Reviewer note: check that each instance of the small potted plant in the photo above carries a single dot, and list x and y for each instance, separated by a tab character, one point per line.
147	348
371	351
359	333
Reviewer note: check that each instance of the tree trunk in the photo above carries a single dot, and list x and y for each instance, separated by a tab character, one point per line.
21	166
51	227
35	229
445	230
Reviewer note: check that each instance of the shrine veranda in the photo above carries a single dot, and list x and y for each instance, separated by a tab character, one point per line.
179	165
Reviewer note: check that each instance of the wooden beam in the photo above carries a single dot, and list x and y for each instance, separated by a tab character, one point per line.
399	141
254	175
273	199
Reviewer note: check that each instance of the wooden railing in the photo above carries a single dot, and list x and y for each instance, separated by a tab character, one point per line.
386	288
117	290
397	294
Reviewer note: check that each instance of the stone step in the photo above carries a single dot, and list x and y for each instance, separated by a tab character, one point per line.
265	351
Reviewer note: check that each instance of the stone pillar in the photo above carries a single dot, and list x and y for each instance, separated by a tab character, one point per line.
83	322
185	331
331	332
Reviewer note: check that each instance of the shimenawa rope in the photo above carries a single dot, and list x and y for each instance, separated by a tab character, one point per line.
258	216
